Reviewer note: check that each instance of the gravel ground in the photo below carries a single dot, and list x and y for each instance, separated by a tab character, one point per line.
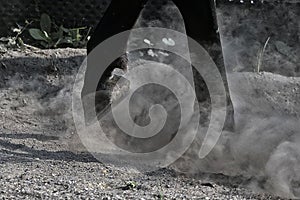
41	157
77	177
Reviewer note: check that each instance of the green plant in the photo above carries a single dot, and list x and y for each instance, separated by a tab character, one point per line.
161	195
261	55
50	35
131	185
16	40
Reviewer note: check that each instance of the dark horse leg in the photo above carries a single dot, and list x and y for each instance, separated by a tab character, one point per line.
200	24
120	16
